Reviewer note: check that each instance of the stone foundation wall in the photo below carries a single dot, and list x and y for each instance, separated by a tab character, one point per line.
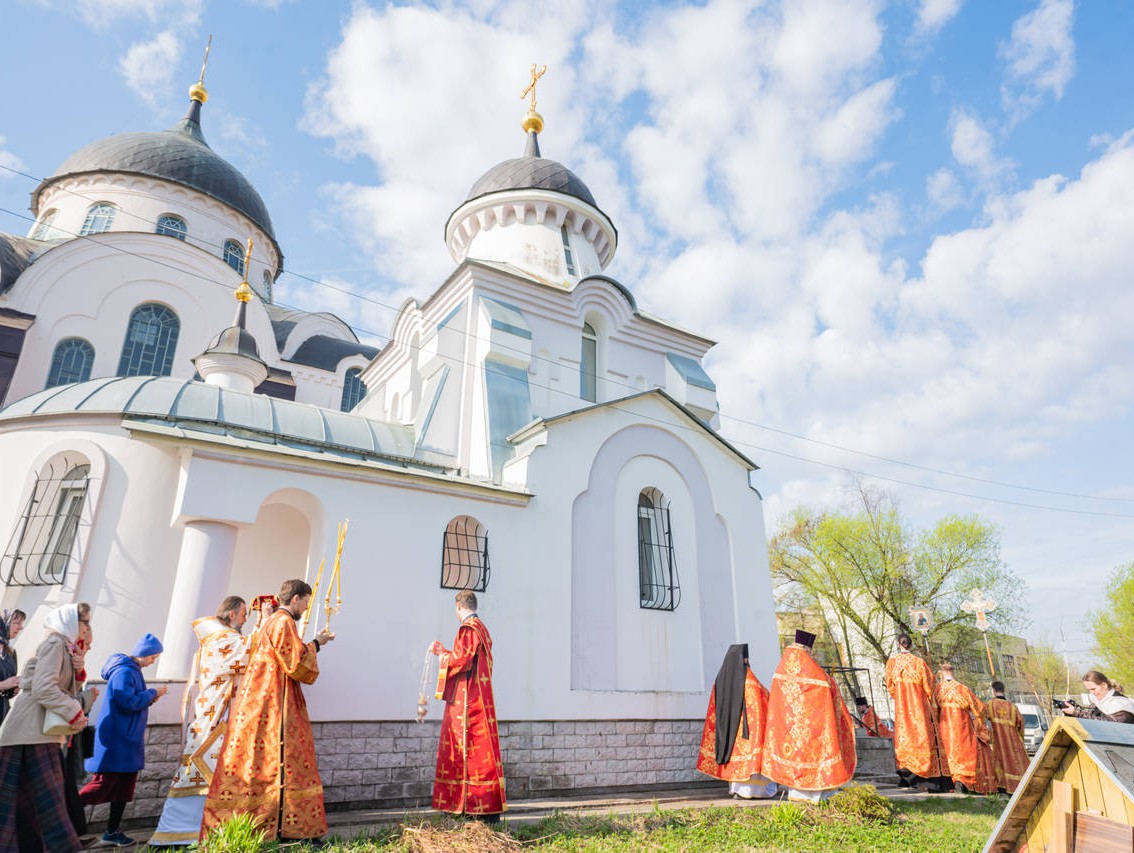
391	764
387	764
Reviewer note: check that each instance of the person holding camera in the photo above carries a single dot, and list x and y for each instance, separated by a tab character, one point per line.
1106	698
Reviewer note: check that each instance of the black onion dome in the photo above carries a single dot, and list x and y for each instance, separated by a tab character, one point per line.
531	172
179	155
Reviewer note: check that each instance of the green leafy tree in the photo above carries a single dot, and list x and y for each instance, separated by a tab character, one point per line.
1113	627
1045	672
864	567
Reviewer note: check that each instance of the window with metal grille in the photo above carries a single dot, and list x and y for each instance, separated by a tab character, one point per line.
151	339
464	555
354	389
100	215
658	586
234	255
43	227
588	365
42	545
171	226
71	362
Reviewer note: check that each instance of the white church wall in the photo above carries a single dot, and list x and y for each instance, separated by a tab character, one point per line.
89	289
140	201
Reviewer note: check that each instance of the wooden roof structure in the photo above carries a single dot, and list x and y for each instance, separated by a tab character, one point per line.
1077	794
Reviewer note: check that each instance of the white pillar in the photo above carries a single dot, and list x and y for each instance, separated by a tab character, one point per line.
204	570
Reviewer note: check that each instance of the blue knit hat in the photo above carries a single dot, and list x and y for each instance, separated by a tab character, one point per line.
148	645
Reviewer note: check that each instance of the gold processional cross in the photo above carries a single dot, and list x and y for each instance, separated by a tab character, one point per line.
980	606
530	90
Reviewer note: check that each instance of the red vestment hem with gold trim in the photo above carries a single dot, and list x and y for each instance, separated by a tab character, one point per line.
958	708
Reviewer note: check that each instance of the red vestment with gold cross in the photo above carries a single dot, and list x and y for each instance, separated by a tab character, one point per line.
269	718
912	686
470	774
809	741
1007	742
958	714
747	752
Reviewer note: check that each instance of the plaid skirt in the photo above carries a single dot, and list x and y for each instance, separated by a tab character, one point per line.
32	799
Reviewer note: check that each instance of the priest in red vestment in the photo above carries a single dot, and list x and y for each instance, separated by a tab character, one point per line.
470	775
958	713
912	686
809	741
1008	748
869	719
267	764
732	741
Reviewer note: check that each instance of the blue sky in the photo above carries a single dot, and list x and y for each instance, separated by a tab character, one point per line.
909	224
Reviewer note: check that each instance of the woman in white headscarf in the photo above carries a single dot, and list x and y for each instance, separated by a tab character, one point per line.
31	772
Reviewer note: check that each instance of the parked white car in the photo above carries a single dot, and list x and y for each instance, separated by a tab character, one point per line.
1035	726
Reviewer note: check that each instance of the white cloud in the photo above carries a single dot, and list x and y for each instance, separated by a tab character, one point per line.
102	14
944	191
973	146
148	66
1040	57
721	139
932	15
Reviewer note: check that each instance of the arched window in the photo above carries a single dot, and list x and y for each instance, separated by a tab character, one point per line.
100	215
354	389
657	570
234	255
151	339
568	255
171	226
42	543
266	292
464	555
588	365
43	227
71	362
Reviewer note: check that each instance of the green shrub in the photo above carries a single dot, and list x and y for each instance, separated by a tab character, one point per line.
862	802
239	834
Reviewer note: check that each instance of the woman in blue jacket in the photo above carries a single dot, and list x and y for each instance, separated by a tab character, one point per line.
120	735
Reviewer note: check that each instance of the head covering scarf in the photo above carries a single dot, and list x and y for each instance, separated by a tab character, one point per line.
64	620
729	692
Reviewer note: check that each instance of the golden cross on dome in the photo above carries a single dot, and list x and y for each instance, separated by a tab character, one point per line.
244	291
531	87
197	91
205	63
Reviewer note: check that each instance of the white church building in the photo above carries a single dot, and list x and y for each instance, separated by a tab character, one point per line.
526	432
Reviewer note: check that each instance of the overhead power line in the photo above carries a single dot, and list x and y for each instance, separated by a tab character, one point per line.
634	389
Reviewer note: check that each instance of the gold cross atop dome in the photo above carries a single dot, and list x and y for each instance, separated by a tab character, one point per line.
533	121
197	91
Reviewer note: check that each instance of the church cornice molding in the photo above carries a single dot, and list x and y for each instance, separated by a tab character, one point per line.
530	207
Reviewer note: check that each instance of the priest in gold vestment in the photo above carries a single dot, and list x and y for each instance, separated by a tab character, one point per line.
267	765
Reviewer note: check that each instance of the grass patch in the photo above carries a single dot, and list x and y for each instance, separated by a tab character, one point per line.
858	819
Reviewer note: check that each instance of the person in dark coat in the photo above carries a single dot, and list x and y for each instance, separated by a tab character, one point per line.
11	624
120	735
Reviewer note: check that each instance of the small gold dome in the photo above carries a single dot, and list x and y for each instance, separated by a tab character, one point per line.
198	93
243	292
533	121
